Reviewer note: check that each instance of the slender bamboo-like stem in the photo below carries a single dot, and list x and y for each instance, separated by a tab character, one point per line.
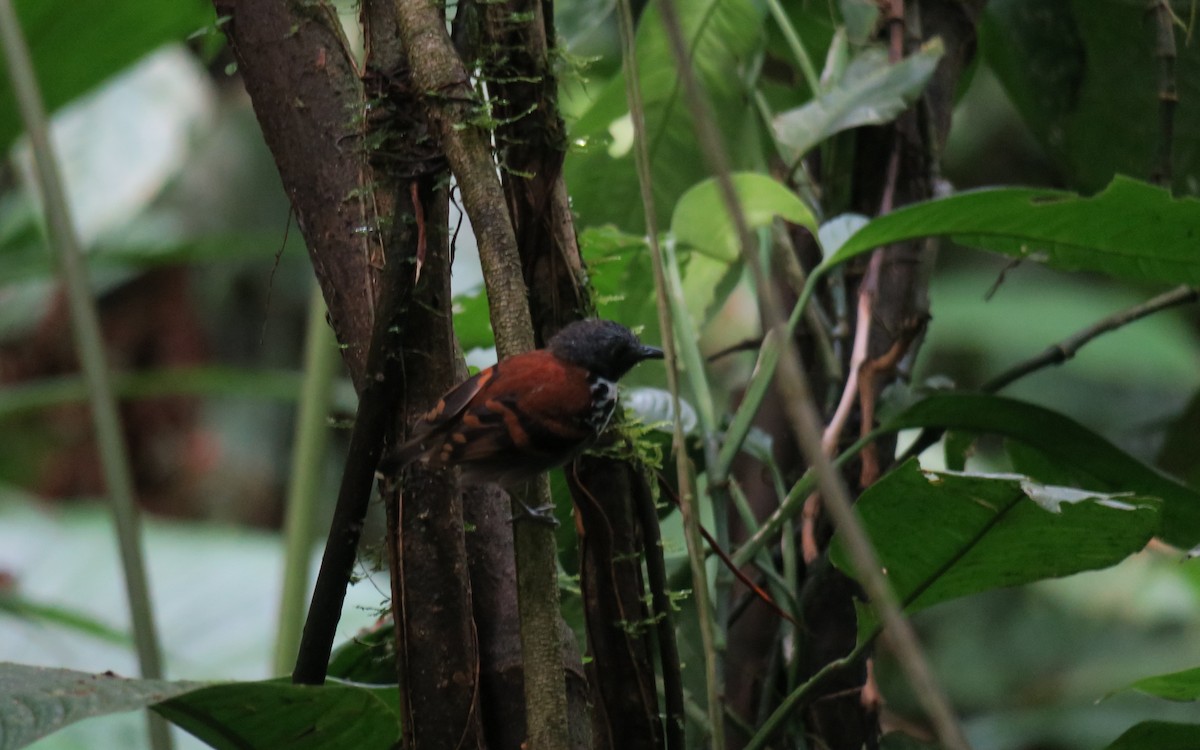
312	433
687	492
90	346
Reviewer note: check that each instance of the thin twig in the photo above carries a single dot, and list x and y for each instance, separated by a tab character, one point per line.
802	415
1057	354
89	342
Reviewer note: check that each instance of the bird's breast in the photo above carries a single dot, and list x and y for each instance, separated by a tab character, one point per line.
604	402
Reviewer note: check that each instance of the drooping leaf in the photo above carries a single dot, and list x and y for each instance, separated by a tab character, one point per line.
945	535
1070	444
872	92
1159	735
103	38
1132	230
38	701
701	221
1176	686
276	714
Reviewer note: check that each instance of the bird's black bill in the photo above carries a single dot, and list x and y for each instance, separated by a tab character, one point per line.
651	352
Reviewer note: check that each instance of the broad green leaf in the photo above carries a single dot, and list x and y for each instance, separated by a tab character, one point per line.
1131	231
1068	66
1068	443
945	535
872	92
723	36
278	714
1177	686
701	220
76	44
38	701
1159	735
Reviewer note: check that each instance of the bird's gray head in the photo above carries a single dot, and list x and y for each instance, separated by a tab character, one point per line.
606	348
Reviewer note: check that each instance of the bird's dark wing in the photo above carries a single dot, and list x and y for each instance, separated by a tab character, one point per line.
440	418
535	409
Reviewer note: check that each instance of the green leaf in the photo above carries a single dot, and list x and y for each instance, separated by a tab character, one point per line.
1177	686
872	92
945	535
276	714
724	37
701	220
1068	443
76	44
39	701
1159	735
1131	231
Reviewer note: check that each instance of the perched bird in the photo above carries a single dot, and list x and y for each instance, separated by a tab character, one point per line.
531	412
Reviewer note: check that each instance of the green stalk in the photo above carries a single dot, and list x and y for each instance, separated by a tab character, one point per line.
312	435
687	498
90	345
796	44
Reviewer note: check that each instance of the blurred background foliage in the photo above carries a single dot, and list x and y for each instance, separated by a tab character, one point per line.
204	284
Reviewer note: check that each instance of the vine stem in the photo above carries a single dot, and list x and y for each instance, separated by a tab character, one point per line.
89	343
